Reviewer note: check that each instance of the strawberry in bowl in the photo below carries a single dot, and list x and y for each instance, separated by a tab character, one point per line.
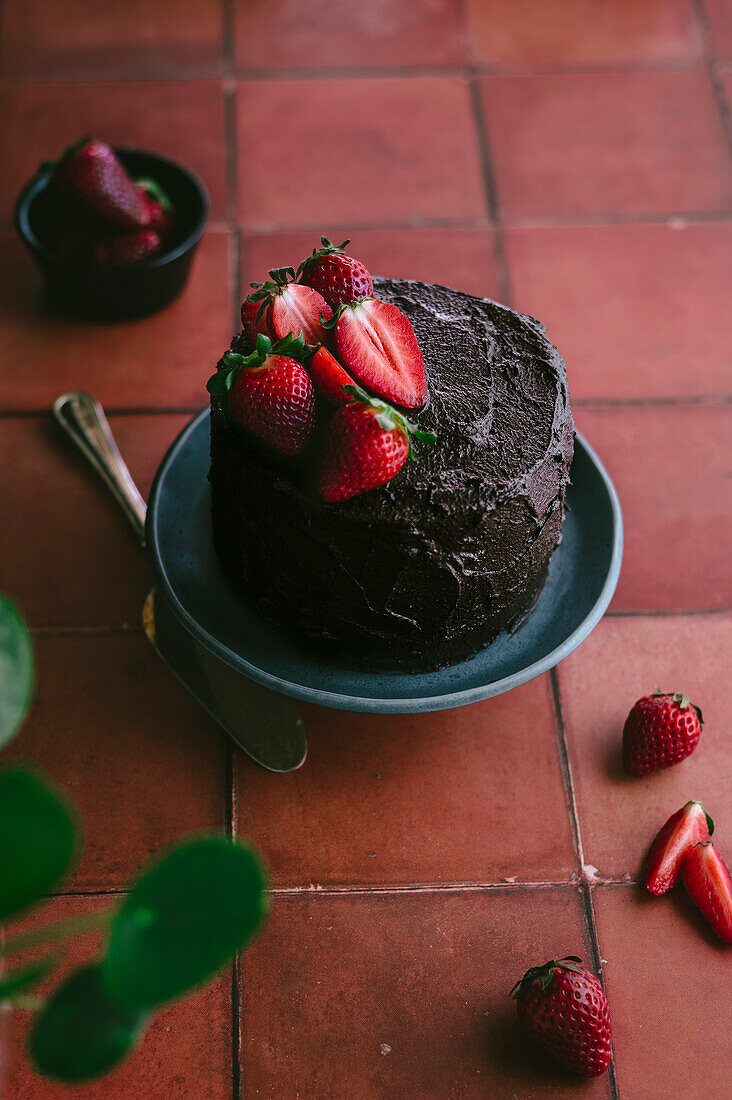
113	231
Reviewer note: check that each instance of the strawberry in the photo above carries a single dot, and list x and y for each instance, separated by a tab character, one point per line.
365	444
339	278
330	377
94	181
687	827
125	249
270	393
564	1009
285	307
376	343
709	886
661	729
157	207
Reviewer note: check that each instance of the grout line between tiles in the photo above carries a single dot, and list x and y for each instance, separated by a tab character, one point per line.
571	795
386	889
491	191
712	70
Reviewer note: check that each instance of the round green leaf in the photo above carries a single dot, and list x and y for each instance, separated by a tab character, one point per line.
81	1032
185	918
16	670
36	839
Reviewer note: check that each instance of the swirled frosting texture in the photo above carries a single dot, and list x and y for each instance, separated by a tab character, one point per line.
434	565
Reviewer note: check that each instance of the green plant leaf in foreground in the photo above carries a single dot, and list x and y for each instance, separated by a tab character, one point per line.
16	670
36	839
23	977
183	920
81	1032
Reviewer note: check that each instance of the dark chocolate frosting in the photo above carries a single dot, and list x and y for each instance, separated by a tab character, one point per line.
454	549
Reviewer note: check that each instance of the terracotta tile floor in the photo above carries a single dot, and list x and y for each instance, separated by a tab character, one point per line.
575	166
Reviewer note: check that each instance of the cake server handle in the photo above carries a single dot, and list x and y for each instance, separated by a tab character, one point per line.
83	420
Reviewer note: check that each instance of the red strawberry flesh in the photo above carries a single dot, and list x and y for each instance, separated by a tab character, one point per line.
297	309
708	884
377	344
330	377
687	827
126	249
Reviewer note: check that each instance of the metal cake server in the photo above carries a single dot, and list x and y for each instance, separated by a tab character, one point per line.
266	725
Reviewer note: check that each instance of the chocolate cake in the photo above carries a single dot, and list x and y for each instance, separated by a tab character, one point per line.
432	566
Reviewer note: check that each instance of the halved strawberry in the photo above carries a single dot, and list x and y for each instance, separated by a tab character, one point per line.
377	344
365	444
255	319
289	308
687	827
269	393
330	377
709	886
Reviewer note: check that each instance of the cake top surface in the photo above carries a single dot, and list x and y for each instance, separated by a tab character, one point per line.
497	402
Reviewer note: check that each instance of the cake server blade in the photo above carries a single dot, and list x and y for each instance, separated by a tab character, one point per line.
266	725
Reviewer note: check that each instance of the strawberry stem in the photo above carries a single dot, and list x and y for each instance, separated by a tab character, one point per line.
389	419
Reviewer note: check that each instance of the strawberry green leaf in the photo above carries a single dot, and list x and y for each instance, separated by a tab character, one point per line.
183	920
36	839
82	1032
16	670
156	192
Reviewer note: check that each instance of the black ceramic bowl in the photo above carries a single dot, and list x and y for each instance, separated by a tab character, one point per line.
118	293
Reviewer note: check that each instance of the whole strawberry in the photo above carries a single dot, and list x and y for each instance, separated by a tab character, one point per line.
662	729
564	1009
125	249
92	179
339	278
269	393
281	307
365	444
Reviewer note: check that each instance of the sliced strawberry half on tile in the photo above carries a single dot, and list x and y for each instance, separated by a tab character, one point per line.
688	826
709	886
289	308
330	377
377	344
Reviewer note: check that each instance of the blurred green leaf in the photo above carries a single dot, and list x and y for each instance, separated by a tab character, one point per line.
81	1032
23	977
16	670
36	839
184	919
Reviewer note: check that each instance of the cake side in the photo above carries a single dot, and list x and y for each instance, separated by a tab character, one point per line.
436	563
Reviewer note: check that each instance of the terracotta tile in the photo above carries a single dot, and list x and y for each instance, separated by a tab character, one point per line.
157	362
354	152
577	145
719	15
669	1000
338	34
670	467
141	760
636	310
72	561
183	120
185	1052
576	33
449	797
45	38
462	258
405	995
621	661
